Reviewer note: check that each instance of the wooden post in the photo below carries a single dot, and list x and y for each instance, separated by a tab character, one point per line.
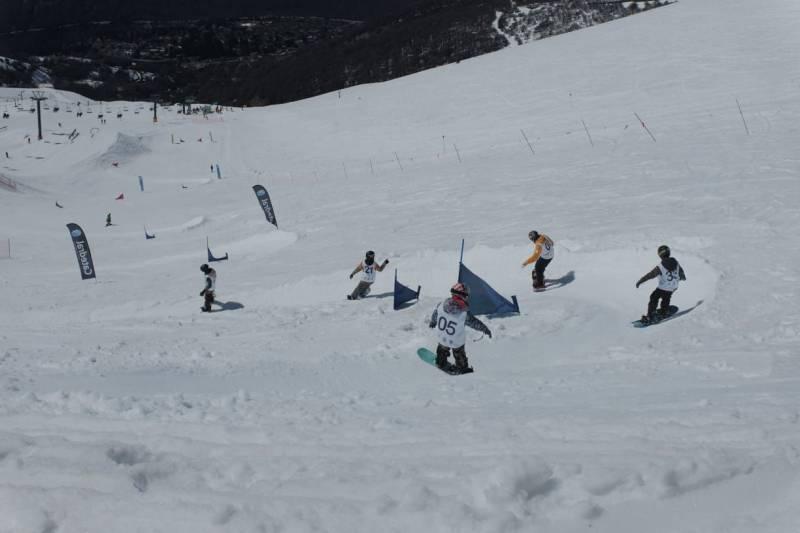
746	129
645	126
586	128
527	141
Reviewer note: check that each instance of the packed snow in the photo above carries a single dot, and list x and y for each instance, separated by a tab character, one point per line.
290	409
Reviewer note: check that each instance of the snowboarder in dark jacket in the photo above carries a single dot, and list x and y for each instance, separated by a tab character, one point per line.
450	318
368	268
211	284
669	273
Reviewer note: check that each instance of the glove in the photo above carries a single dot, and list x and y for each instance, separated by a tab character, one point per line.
489	334
524	265
351	276
385	261
203	293
638	283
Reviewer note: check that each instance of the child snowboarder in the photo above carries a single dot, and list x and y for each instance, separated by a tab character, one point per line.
669	273
450	319
367	267
543	252
211	284
108	220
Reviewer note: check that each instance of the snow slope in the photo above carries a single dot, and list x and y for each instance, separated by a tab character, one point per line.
123	408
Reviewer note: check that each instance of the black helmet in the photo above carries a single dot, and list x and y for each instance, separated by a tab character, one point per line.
533	235
204	268
370	257
663	251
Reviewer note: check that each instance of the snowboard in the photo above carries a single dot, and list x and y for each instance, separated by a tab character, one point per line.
672	310
430	358
549	284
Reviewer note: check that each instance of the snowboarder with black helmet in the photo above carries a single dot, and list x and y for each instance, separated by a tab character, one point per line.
211	284
368	268
669	273
543	253
450	318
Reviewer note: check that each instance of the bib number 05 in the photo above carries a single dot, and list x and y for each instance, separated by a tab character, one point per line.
448	326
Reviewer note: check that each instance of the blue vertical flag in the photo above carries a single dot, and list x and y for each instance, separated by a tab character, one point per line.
403	294
211	257
141	184
483	299
82	252
219	174
266	204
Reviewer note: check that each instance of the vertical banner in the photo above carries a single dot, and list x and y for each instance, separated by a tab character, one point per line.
141	184
82	251
266	204
219	174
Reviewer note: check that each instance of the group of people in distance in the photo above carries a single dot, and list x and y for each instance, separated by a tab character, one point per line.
451	317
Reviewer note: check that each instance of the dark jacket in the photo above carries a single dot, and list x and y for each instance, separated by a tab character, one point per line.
669	263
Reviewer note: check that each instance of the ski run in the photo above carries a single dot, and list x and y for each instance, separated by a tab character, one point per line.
289	408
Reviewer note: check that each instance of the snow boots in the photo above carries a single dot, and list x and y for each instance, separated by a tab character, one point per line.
460	355
209	299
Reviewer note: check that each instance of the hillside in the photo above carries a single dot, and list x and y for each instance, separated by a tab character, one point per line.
262	59
124	408
21	15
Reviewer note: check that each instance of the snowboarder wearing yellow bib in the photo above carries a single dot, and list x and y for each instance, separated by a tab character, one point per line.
450	319
368	268
543	253
669	273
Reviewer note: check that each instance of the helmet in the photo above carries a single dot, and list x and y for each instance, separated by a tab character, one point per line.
370	257
533	235
663	251
204	268
460	291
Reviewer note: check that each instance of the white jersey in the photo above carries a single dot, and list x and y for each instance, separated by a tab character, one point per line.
548	248
668	279
213	277
450	327
368	272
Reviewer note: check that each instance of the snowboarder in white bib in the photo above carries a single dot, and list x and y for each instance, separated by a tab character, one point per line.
211	285
450	319
368	268
543	253
669	273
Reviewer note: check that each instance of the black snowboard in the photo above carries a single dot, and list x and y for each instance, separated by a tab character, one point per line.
673	309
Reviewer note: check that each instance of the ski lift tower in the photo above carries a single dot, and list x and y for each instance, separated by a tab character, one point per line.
38	97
